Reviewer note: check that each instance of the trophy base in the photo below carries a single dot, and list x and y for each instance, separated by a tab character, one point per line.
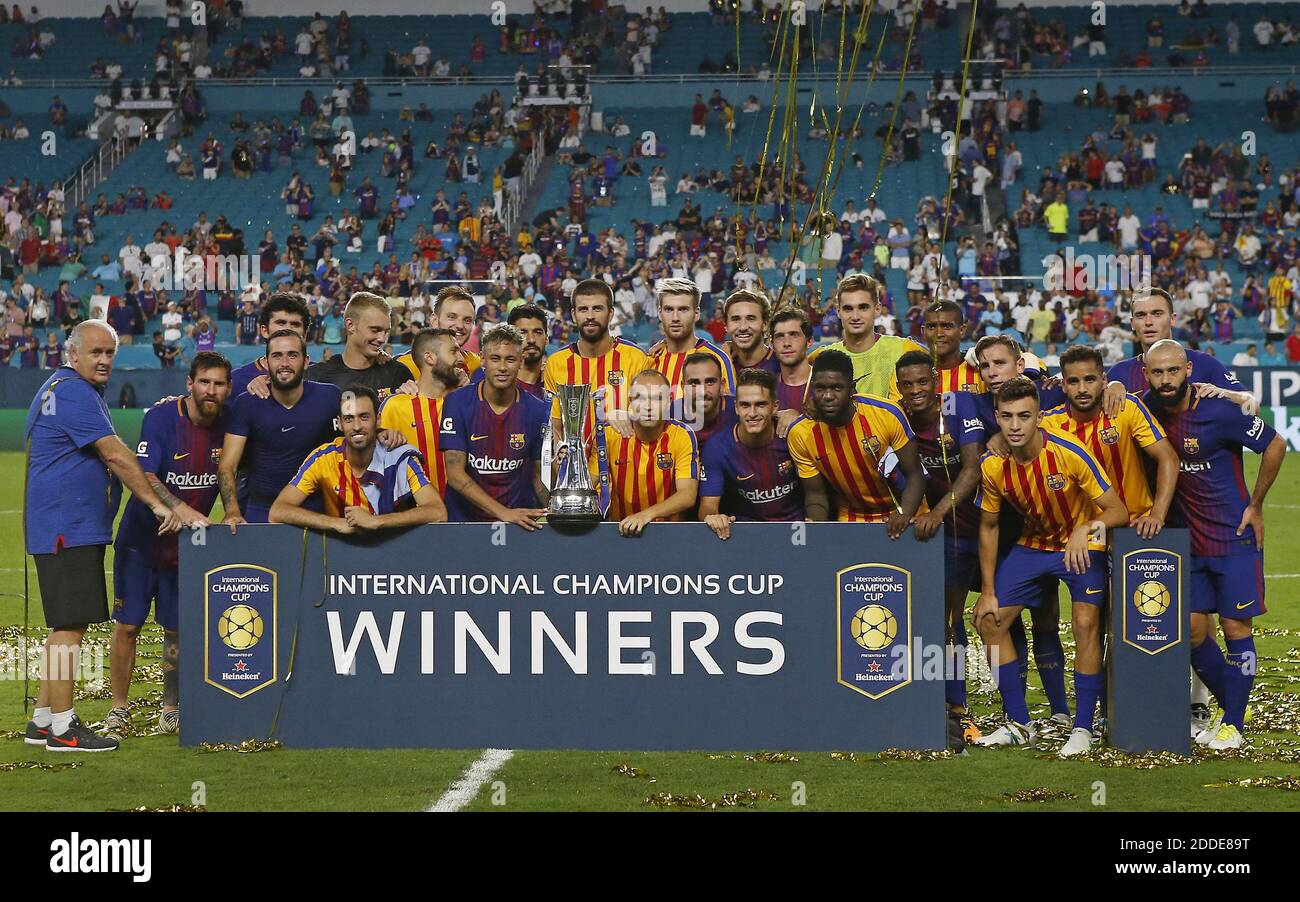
576	509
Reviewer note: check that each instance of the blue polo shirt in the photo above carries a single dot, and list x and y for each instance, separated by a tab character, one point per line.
69	502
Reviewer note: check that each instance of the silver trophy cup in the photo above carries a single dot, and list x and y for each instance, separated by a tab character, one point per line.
573	497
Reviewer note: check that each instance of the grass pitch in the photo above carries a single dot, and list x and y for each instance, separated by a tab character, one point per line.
154	772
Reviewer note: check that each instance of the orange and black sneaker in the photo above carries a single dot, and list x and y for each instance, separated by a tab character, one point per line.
35	735
969	730
78	738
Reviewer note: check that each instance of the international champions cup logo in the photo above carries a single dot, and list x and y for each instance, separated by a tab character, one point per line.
1152	597
874	628
240	604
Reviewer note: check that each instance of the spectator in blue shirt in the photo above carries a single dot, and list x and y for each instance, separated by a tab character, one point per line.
107	271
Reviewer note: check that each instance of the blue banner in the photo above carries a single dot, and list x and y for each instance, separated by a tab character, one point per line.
1149	659
806	636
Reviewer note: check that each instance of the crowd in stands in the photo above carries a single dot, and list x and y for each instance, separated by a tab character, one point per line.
1238	259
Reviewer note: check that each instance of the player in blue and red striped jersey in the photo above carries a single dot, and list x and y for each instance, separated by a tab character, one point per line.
492	441
791	336
748	472
705	408
179	451
1153	315
679	311
1153	321
746	313
1227	526
952	476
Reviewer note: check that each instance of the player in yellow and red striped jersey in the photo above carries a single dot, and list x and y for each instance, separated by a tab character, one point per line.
418	417
679	311
1120	442
1067	504
945	328
453	309
363	484
846	443
654	473
596	359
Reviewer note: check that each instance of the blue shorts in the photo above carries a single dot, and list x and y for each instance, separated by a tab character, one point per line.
961	562
136	588
256	513
1025	573
1231	586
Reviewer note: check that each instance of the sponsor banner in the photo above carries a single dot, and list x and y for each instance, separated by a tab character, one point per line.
1286	420
1148	668
481	635
1274	386
239	628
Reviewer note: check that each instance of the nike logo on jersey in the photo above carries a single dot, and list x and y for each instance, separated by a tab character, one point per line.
287	428
743	478
477	438
1092	591
180	456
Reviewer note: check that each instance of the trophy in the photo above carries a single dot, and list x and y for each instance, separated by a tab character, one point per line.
574	500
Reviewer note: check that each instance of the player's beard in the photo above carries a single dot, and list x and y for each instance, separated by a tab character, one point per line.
447	375
532	356
839	418
1173	400
294	381
601	332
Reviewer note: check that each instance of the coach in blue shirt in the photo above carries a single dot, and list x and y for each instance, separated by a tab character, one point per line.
73	455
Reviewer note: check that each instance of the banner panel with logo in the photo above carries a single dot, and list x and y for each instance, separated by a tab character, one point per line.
810	636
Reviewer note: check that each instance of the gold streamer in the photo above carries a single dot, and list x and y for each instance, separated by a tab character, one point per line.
171	808
1291	784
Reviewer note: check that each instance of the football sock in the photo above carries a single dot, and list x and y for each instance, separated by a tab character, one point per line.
60	721
1021	641
1239	677
41	717
1049	656
954	682
1200	691
1208	662
1013	693
1087	689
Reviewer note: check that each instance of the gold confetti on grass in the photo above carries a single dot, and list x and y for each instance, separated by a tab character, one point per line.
1288	783
1108	757
8	766
1039	794
631	770
179	807
892	754
248	746
760	757
746	798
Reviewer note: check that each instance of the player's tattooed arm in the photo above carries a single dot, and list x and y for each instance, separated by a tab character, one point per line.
458	478
118	458
232	451
816	501
160	490
543	493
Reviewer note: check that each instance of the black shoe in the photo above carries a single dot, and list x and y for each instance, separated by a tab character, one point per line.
79	739
956	733
35	735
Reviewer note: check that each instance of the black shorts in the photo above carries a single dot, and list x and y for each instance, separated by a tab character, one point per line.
73	588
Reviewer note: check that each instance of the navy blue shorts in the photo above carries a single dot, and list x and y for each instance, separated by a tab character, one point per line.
961	561
139	587
1025	573
1231	586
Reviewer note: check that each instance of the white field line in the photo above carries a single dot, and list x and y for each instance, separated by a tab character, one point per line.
464	790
